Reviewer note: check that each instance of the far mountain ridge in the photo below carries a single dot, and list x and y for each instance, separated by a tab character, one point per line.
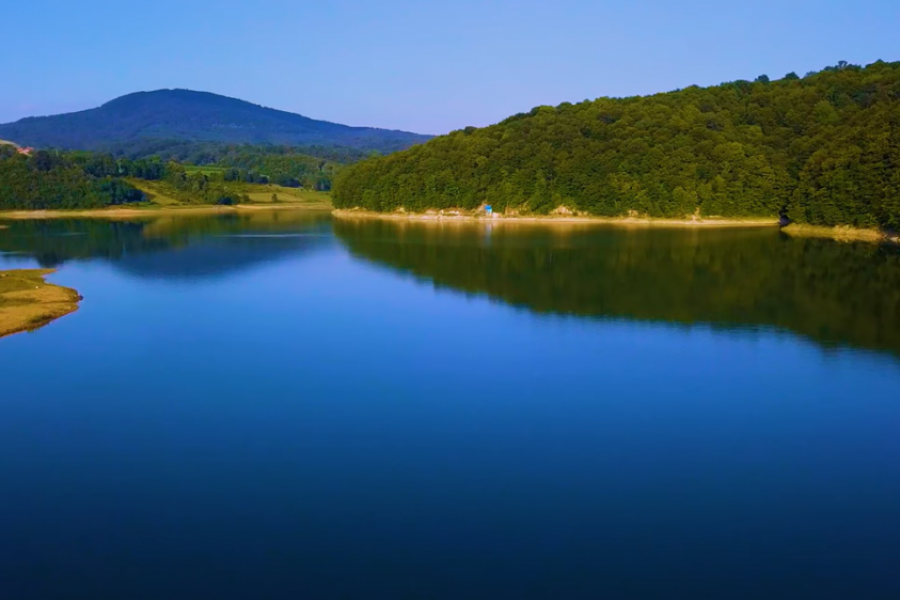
178	114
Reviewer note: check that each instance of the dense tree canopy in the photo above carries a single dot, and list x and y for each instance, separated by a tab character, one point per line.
47	180
824	149
289	169
81	179
213	153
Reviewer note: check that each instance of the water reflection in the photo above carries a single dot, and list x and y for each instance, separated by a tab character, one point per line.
834	293
170	246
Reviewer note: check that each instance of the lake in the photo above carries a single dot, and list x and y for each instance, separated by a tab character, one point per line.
278	405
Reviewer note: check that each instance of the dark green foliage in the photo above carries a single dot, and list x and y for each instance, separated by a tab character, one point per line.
285	167
49	180
199	187
282	165
194	116
211	153
824	150
52	179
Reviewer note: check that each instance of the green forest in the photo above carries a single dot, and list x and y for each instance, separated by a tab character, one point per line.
822	149
50	180
312	166
80	179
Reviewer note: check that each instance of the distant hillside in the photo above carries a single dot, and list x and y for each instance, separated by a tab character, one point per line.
823	149
194	116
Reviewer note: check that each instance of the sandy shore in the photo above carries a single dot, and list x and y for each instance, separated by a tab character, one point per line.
841	234
28	302
624	221
150	211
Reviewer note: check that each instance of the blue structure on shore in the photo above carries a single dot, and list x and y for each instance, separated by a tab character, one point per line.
489	209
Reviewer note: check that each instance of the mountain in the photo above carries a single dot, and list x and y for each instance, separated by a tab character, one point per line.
194	116
823	149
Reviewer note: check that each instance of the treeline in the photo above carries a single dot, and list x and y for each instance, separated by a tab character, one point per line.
310	167
822	149
49	180
287	169
211	153
81	179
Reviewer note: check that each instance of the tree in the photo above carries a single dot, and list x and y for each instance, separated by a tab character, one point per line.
820	150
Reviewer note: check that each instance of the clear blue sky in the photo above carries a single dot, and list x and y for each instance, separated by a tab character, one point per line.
423	65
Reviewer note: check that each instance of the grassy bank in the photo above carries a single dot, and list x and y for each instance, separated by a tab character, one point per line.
841	234
152	210
161	193
162	198
451	216
28	302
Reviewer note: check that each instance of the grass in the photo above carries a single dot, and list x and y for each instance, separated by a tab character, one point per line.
263	194
205	170
163	198
155	193
840	233
28	302
161	194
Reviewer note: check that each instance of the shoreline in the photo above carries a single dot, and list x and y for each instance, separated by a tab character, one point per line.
554	219
28	302
841	233
149	211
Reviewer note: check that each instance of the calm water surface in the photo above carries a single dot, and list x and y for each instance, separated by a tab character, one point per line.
282	406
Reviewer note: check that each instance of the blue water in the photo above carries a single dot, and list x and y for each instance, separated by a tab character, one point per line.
244	416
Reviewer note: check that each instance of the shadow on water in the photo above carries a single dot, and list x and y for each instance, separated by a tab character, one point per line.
171	246
833	293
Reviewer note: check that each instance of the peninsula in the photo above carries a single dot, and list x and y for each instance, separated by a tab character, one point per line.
28	302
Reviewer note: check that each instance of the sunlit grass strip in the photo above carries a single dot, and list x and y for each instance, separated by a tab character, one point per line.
28	302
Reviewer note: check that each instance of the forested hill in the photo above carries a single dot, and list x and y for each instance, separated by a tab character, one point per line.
194	116
822	149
